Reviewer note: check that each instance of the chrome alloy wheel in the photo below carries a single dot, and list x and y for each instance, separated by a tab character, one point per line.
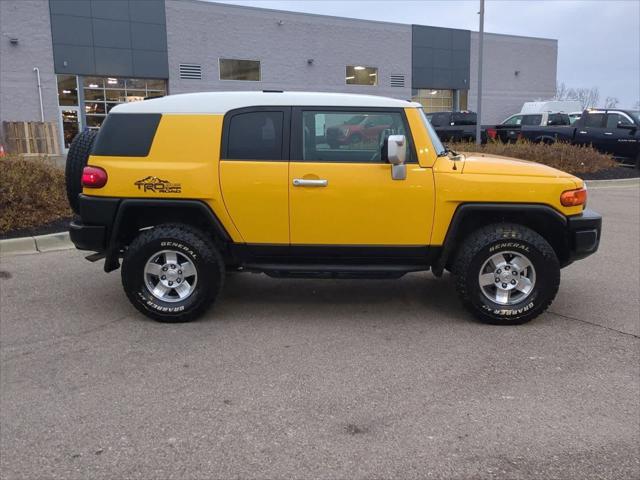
507	278
170	276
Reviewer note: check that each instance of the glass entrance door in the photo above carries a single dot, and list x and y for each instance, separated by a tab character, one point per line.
70	117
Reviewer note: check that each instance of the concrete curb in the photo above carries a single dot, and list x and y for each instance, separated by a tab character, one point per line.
18	246
38	244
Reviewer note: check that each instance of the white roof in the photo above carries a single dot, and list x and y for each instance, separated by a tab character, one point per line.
222	102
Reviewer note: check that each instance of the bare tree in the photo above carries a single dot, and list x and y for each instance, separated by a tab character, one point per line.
637	105
611	102
561	91
588	97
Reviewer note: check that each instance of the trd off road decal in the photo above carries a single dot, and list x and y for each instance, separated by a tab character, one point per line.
157	185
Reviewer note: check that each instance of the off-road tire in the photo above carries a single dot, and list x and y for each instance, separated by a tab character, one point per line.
189	242
77	157
490	240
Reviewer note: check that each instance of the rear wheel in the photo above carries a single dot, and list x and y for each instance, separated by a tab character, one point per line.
172	273
506	274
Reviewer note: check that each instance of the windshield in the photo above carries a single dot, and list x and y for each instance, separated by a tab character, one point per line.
437	144
636	116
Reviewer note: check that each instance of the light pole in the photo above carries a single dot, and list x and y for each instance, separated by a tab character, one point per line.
480	48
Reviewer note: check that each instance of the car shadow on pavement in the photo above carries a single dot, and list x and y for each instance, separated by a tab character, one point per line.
258	294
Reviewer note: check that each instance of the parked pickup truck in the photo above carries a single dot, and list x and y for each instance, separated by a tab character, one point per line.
610	131
509	130
456	126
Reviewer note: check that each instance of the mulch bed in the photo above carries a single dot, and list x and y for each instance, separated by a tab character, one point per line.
614	173
57	226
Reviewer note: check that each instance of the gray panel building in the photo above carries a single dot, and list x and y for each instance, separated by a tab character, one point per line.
94	54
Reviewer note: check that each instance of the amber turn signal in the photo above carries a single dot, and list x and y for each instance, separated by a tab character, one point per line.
573	198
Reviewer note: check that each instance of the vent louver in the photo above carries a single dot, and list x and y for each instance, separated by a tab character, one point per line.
190	71
397	80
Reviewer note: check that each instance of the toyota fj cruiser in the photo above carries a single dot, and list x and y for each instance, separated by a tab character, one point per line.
187	187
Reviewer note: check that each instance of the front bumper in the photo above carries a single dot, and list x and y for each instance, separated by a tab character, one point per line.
584	234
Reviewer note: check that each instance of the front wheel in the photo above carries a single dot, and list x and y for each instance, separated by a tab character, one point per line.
506	274
172	273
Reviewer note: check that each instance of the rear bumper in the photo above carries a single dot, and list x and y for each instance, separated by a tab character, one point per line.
92	231
88	237
584	234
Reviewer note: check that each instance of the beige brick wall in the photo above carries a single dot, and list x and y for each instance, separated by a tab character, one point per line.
503	92
28	21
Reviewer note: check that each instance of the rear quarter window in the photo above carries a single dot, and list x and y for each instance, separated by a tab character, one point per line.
127	135
531	120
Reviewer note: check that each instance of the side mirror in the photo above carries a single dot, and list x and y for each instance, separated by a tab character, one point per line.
627	126
397	154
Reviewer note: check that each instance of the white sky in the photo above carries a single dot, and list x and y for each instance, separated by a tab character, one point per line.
598	40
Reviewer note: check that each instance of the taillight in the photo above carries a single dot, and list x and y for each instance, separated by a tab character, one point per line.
94	177
573	198
492	133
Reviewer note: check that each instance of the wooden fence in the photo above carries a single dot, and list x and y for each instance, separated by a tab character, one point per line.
31	138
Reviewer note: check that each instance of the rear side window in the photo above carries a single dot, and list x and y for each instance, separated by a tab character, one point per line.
461	118
255	136
558	119
126	135
531	120
595	120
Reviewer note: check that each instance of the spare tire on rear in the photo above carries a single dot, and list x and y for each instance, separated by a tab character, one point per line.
76	160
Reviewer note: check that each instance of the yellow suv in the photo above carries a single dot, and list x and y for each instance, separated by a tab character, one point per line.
316	185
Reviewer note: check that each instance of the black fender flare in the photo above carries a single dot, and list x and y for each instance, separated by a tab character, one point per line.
465	210
111	261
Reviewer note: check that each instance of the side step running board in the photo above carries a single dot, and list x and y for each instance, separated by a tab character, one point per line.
333	271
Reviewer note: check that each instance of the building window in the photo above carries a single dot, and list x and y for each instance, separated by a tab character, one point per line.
434	100
463	99
69	110
231	69
359	75
101	94
67	90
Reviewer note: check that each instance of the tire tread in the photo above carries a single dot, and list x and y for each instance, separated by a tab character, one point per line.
208	255
483	237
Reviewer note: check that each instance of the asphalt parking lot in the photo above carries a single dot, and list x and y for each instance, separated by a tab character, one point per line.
324	379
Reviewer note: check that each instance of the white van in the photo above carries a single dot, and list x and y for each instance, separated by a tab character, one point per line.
551	106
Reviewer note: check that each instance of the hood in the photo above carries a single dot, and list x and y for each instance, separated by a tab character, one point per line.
480	163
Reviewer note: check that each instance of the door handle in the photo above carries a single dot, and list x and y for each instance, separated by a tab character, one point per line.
582	131
608	133
301	182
